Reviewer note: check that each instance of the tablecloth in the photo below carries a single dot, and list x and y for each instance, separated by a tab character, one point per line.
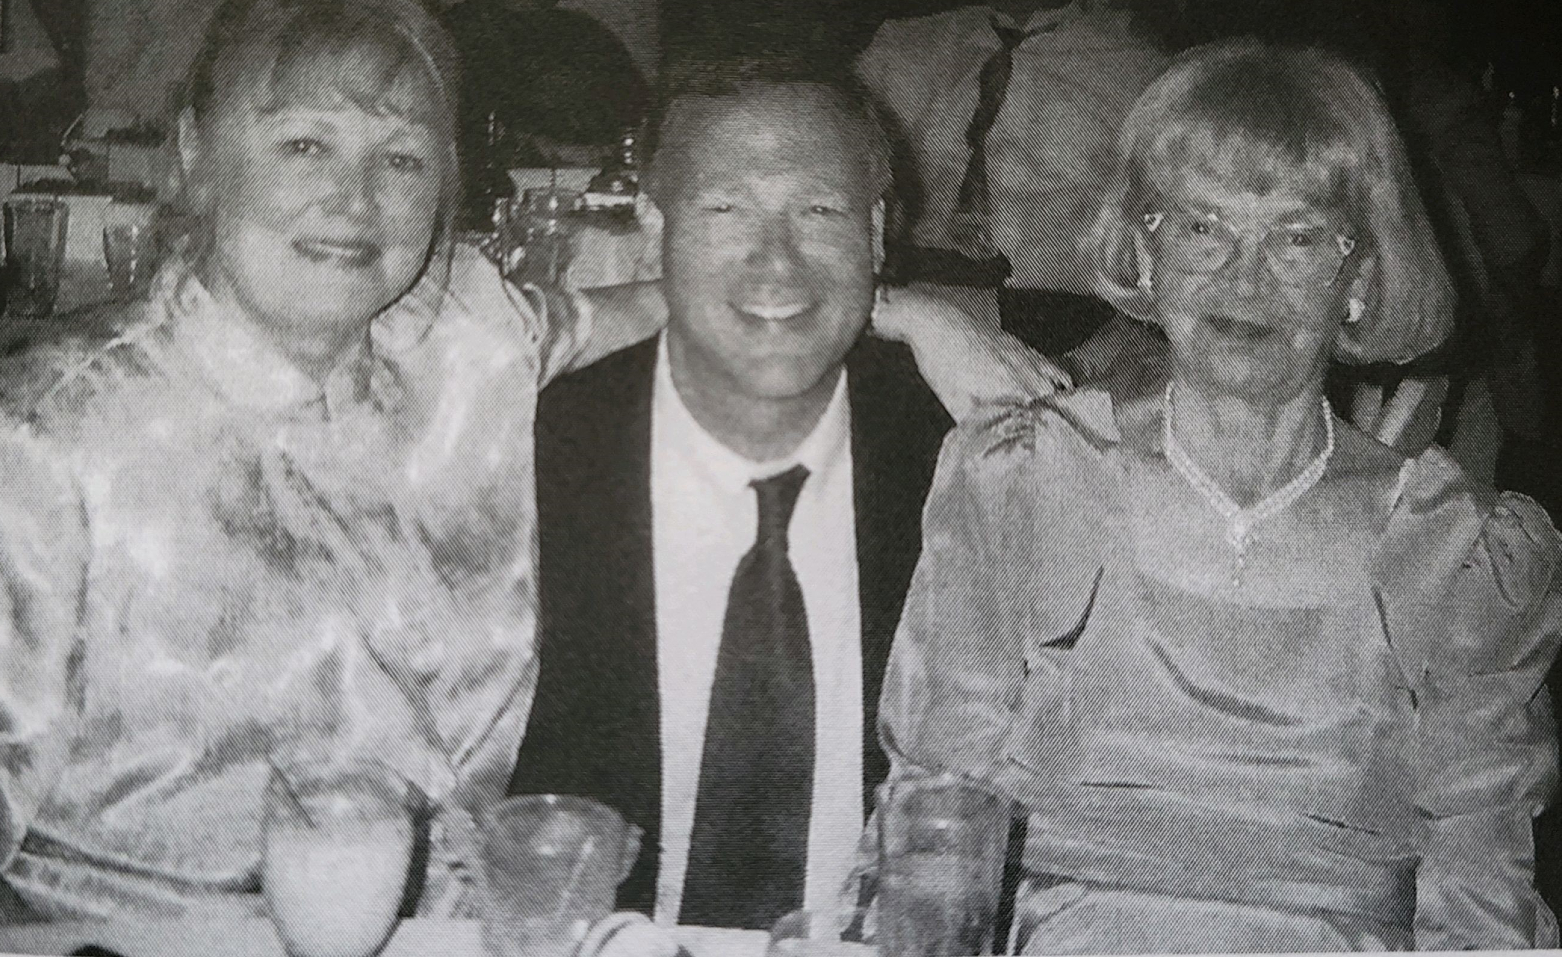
256	938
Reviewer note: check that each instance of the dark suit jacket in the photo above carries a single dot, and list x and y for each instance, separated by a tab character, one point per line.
594	727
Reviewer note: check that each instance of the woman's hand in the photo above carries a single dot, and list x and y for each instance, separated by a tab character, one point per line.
965	358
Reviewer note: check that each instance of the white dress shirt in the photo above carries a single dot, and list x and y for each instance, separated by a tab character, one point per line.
1049	149
704	517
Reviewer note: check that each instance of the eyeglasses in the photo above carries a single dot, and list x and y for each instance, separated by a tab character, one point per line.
1202	243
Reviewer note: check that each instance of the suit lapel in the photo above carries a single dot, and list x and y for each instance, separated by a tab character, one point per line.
595	726
897	429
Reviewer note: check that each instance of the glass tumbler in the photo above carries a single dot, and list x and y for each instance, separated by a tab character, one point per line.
129	248
338	844
35	231
551	869
543	237
941	846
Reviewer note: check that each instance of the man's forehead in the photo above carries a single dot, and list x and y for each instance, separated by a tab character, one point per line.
773	130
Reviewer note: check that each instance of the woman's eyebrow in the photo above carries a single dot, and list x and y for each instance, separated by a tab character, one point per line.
409	131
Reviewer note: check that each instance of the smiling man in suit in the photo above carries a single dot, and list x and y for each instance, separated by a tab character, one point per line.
730	515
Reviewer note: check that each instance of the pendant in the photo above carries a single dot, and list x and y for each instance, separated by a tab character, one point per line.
1238	535
1240	527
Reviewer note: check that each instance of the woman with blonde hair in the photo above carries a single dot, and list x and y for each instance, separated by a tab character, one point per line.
1258	681
285	503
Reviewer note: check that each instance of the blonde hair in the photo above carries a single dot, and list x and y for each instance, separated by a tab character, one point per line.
267	54
1262	118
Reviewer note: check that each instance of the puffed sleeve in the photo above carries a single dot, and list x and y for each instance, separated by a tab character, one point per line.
42	571
467	290
954	671
1008	561
564	322
1484	746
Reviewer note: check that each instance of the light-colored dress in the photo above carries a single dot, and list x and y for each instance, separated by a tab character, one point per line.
208	558
1337	743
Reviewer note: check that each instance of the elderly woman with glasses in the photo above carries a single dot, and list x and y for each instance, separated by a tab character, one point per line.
1257	681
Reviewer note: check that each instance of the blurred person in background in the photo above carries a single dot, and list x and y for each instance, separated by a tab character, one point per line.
1008	111
1495	242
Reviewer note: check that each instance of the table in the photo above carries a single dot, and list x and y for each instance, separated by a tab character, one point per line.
255	937
612	257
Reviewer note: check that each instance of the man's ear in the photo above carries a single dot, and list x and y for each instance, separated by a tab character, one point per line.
190	145
194	177
877	225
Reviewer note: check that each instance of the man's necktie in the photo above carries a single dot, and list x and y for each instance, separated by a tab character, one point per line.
973	203
749	849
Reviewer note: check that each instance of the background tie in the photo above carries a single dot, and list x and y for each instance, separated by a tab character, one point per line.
972	203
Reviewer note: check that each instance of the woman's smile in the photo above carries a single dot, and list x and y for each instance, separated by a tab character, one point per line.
1246	330
343	253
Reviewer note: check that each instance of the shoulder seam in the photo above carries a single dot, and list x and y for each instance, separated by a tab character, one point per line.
1017	425
79	369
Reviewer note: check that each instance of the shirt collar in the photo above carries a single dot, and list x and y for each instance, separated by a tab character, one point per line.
823	448
237	359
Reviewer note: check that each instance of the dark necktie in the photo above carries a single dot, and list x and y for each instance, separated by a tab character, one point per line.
749	848
973	204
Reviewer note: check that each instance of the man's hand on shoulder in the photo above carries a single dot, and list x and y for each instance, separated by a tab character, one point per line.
961	352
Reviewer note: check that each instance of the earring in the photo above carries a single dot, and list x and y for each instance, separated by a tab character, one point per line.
1146	283
1152	221
1354	310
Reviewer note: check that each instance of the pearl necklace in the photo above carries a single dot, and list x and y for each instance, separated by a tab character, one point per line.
1241	521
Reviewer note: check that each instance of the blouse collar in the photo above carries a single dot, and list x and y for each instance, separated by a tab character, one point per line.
239	361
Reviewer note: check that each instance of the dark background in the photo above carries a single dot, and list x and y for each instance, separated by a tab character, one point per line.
1522	37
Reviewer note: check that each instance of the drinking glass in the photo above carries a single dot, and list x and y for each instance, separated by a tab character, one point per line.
35	230
337	849
541	237
128	248
821	933
551	869
504	244
941	847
